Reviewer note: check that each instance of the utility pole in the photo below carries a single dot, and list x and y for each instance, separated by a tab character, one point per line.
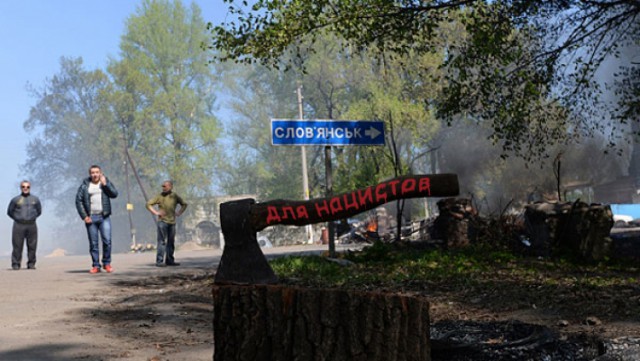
305	177
135	171
329	175
130	207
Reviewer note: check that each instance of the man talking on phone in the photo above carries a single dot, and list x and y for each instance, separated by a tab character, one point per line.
93	203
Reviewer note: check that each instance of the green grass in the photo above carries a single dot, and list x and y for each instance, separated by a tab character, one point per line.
385	266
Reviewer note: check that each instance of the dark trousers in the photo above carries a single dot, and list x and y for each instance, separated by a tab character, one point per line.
19	234
166	242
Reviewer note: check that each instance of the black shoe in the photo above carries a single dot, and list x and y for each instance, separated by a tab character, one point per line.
159	264
31	267
15	268
173	264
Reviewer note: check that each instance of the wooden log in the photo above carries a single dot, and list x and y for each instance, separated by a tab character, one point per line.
278	323
345	205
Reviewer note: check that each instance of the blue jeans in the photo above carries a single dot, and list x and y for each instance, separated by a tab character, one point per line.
166	242
101	225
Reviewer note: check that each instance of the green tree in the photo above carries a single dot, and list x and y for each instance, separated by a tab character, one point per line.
157	104
164	99
397	96
73	129
522	64
336	84
333	79
253	165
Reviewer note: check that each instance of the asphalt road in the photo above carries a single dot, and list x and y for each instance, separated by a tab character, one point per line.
42	310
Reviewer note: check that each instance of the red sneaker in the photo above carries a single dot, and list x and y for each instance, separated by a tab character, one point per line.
108	268
94	270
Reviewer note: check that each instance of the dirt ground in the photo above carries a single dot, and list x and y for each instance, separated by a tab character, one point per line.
483	329
608	312
166	315
60	312
572	320
140	312
174	311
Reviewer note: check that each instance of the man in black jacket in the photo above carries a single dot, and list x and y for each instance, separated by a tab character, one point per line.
93	203
24	209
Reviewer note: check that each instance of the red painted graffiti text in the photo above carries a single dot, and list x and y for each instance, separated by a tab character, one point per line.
350	203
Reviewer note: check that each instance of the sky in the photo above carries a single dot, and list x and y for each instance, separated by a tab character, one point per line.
34	35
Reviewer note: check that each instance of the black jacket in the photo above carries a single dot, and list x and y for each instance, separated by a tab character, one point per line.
24	209
83	201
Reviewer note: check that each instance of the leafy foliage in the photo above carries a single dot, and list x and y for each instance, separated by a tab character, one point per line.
336	84
165	94
156	104
525	68
73	128
253	165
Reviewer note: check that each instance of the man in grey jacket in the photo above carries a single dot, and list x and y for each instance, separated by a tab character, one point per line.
24	209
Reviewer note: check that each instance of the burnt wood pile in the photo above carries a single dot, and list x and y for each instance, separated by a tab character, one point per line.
577	229
456	223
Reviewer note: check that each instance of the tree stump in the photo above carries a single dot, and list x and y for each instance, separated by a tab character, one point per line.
571	228
454	224
278	323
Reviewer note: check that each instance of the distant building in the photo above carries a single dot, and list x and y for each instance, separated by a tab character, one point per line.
202	225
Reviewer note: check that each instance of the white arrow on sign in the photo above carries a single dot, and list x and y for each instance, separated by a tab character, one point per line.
372	132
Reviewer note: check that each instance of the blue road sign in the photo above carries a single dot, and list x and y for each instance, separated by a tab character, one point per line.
326	132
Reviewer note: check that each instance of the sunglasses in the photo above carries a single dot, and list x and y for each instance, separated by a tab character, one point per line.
26	187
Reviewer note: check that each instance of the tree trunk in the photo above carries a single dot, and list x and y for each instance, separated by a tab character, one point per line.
272	323
300	213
